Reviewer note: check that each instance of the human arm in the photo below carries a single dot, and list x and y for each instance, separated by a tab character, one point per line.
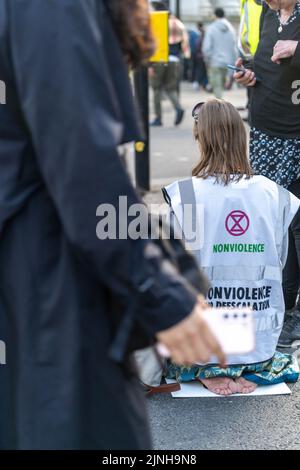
185	46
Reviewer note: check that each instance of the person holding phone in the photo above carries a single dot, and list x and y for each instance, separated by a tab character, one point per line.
275	127
242	225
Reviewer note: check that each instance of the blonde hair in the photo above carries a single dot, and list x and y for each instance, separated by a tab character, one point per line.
221	135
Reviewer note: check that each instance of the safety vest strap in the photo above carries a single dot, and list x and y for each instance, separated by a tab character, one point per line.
188	197
187	192
249	27
243	273
244	27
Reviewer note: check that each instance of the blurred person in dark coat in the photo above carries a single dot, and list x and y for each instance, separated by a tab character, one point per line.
69	381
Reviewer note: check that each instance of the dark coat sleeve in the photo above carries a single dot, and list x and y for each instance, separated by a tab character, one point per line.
73	115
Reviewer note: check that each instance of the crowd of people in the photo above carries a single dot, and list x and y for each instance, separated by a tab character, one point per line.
74	307
198	55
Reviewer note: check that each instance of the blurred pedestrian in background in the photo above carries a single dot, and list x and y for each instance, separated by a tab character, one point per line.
166	77
71	304
275	131
219	49
188	63
200	71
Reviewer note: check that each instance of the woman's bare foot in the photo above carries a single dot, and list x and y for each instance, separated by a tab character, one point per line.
245	386
220	385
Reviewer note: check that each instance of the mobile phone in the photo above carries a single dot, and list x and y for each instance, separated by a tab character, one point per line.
239	69
234	328
236	69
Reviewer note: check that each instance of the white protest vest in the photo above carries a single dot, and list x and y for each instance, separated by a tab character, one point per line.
239	234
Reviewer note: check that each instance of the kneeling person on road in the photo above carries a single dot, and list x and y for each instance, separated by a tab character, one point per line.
242	246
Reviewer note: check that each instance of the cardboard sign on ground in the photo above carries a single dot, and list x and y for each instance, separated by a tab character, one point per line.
196	390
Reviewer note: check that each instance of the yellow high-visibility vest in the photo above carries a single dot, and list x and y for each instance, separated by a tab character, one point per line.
249	30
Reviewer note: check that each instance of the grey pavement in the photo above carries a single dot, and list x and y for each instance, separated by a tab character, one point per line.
239	423
210	423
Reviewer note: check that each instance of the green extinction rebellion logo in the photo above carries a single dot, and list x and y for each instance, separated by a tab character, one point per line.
237	223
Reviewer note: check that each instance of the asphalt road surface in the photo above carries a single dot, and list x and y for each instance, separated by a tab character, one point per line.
236	423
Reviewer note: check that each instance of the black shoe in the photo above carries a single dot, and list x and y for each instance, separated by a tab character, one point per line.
290	335
179	116
156	122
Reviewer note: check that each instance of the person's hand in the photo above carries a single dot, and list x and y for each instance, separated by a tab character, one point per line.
191	340
247	78
284	50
